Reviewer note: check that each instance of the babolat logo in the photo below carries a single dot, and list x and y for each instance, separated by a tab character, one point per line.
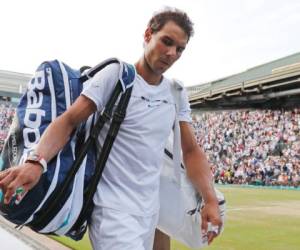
14	148
33	111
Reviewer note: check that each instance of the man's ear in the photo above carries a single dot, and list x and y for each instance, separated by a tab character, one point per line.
148	34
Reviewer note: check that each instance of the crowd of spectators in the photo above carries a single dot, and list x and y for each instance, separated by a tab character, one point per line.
259	147
7	112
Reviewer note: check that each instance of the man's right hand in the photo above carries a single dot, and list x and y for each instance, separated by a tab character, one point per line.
26	176
53	139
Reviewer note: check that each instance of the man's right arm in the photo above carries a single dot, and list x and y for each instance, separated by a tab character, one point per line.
58	132
53	139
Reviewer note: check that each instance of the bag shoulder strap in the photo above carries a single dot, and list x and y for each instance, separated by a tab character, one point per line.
176	88
117	119
126	77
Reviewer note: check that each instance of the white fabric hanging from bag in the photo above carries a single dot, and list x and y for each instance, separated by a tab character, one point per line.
180	203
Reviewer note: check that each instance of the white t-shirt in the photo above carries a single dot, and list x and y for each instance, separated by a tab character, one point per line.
130	180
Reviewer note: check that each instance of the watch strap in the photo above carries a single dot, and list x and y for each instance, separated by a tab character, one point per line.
33	157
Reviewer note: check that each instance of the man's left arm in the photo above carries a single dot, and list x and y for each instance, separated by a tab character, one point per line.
198	171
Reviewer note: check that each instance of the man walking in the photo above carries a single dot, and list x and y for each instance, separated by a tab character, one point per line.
127	198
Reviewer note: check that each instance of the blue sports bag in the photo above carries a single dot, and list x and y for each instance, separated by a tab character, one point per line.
61	202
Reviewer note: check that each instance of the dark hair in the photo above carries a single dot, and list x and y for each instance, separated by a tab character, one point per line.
179	17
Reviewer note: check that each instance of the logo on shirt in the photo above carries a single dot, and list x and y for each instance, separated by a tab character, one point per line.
154	103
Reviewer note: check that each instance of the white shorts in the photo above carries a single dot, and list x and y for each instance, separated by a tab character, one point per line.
114	230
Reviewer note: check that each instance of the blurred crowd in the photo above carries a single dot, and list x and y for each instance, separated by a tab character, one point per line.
258	147
7	112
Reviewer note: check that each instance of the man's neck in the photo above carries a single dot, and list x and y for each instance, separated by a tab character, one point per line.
144	70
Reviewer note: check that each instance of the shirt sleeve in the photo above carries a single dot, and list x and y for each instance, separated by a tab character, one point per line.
184	110
99	88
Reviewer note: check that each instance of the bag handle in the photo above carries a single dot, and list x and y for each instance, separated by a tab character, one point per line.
92	71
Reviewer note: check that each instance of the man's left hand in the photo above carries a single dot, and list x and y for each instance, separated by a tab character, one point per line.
211	221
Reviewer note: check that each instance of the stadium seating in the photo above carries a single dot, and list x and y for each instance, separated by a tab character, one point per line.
259	147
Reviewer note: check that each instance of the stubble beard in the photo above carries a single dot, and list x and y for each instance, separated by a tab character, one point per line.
153	70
